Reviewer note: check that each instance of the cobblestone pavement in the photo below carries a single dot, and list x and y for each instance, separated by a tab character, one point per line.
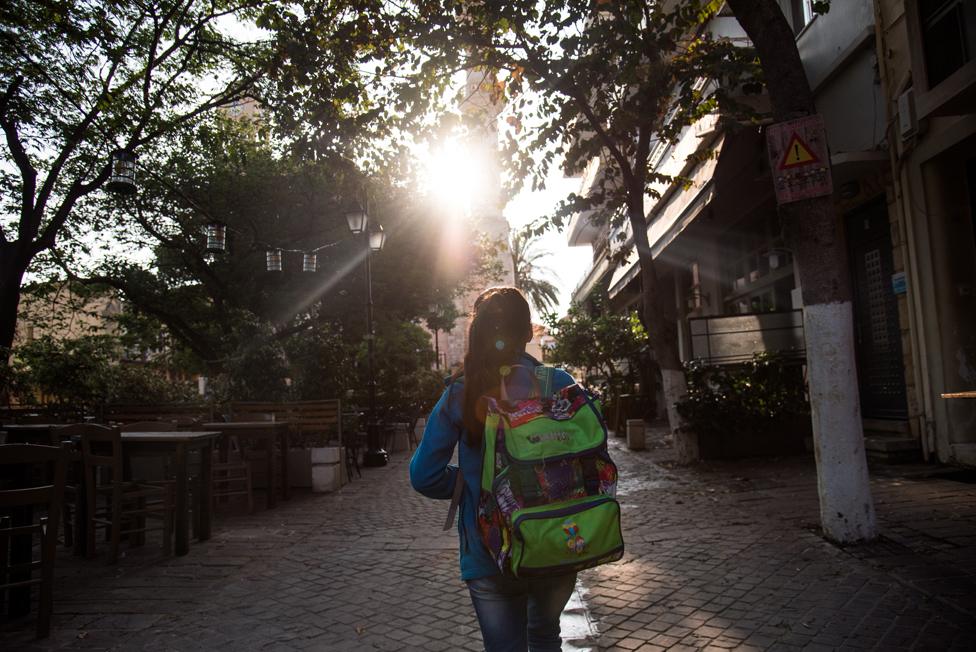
720	556
729	556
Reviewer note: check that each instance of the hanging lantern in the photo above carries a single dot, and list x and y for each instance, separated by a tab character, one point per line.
376	237
216	237
310	262
122	179
274	260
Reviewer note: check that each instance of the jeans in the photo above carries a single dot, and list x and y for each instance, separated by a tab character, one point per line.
520	614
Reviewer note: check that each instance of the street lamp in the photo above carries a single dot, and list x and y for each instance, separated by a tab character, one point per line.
374	239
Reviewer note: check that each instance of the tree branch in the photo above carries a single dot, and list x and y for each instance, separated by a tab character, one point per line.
28	173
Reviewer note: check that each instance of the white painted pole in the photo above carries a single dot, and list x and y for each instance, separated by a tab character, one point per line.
846	508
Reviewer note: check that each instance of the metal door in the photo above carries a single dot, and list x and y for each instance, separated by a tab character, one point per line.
880	369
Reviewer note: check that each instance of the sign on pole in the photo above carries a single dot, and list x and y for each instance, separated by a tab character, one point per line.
799	159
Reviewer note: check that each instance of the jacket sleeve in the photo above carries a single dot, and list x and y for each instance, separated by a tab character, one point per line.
431	473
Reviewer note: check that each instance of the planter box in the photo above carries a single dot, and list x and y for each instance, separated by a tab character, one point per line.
784	438
326	455
326	477
303	462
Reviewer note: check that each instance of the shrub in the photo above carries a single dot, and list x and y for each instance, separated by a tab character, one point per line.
766	393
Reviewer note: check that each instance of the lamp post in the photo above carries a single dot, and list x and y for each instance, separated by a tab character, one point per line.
375	237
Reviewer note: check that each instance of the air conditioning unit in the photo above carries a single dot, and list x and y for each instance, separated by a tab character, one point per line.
907	122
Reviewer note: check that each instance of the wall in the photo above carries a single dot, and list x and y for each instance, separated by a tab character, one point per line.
935	242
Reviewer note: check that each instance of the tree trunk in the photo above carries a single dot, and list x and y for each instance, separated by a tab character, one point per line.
12	268
846	507
660	319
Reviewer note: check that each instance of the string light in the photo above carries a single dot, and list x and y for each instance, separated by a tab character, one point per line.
274	260
122	176
216	237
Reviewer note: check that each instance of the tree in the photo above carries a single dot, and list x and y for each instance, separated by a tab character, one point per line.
599	343
442	316
529	274
607	80
80	79
846	507
213	304
406	385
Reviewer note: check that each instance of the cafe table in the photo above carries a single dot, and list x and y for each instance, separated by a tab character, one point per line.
29	433
265	433
177	445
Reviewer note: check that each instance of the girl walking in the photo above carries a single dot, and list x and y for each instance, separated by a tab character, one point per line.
514	614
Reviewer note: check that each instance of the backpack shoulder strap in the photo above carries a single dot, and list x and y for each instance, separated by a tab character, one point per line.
544	374
455	500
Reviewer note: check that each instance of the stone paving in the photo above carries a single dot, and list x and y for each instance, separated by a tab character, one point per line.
720	556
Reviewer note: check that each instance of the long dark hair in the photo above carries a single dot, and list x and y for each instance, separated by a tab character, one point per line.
500	328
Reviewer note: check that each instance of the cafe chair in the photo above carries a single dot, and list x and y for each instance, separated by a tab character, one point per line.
31	485
115	503
231	476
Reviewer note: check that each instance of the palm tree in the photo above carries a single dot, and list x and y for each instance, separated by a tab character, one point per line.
529	275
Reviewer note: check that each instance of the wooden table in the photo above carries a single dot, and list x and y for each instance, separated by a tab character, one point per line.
178	444
267	432
971	394
29	433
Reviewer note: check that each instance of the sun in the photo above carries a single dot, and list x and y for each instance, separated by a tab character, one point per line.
454	173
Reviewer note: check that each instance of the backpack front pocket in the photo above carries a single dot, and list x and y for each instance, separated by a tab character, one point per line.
578	534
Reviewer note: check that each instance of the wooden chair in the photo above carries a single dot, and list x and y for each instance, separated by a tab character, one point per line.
42	496
126	504
231	477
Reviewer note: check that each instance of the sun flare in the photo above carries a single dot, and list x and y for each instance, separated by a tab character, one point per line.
455	174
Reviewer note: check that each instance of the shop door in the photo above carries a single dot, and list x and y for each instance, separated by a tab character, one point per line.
877	334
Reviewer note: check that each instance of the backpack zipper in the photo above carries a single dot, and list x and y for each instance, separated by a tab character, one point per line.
565	511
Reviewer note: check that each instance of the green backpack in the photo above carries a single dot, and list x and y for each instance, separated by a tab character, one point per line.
548	486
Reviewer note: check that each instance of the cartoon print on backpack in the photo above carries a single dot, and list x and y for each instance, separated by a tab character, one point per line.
574	541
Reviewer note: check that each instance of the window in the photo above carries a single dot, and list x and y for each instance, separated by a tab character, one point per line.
758	268
799	13
948	36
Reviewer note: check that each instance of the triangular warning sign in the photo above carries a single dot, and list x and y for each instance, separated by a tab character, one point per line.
797	153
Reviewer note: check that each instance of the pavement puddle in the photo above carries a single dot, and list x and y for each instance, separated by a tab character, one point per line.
576	628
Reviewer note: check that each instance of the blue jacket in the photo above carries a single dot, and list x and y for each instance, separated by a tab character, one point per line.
432	474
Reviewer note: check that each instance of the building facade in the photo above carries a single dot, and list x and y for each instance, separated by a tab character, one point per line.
901	152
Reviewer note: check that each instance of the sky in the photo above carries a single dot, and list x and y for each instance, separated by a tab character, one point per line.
569	264
457	172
